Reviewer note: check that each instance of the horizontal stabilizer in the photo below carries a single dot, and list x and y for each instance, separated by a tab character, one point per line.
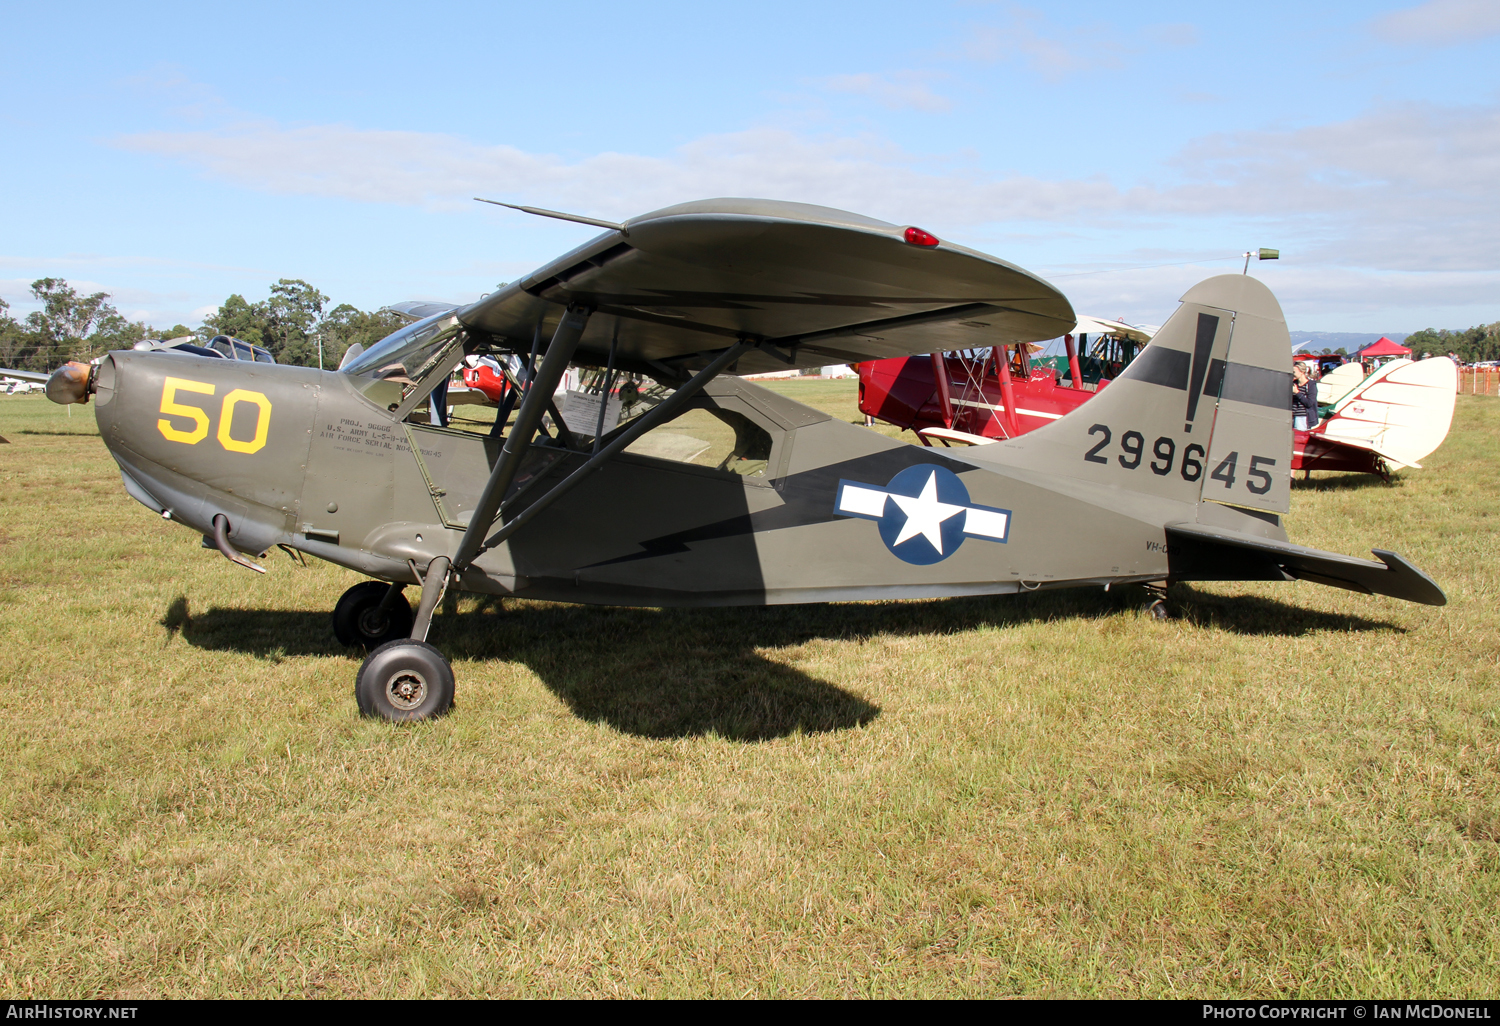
1197	553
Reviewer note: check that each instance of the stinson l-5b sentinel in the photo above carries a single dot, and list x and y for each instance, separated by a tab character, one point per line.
1179	471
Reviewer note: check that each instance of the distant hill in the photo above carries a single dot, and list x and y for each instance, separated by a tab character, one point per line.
1348	340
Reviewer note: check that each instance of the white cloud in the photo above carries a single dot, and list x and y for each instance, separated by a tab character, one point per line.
56	265
1174	34
1312	297
860	173
1402	186
1357	205
1057	51
136	304
900	90
1440	22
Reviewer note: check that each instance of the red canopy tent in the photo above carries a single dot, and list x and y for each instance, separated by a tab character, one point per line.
1384	347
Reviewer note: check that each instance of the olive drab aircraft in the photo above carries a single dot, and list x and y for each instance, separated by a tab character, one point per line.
1180	471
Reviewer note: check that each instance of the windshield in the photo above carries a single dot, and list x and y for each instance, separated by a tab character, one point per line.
397	365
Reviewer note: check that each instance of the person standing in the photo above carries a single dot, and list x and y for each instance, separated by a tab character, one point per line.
1304	399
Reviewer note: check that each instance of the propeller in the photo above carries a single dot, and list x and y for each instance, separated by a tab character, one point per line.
73	382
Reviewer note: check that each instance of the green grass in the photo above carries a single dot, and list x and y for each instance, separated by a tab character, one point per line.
1287	791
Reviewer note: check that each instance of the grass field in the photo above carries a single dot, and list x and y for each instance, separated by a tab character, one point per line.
1287	791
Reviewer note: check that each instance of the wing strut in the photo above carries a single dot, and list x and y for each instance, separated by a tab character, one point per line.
662	412
539	391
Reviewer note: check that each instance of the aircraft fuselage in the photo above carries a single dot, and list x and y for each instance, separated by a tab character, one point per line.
298	457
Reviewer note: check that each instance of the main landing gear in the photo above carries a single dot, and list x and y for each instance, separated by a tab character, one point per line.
403	678
372	613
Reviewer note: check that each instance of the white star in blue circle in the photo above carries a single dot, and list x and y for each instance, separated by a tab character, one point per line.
924	513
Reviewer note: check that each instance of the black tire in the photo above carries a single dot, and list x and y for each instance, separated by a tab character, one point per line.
404	680
359	623
1158	610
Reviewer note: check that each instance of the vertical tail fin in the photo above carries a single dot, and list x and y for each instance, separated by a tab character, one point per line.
1204	412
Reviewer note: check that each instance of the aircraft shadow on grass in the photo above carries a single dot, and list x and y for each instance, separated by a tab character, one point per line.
1342	483
60	434
664	673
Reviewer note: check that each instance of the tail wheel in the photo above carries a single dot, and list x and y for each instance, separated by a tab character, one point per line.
404	680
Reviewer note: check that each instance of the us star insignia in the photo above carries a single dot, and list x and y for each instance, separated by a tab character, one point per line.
924	513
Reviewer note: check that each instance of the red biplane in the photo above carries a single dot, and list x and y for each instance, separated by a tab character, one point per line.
1373	424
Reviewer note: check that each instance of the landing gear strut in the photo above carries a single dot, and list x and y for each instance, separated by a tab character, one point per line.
406	678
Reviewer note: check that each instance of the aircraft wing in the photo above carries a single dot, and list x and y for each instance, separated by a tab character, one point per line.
24	375
463	395
1099	326
821	286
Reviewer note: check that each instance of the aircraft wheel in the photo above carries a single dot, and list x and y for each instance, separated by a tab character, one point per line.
1158	610
359	621
404	680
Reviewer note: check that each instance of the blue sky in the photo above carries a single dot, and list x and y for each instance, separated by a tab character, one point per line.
175	153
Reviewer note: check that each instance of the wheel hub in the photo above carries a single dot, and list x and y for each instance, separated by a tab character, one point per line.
406	689
373	622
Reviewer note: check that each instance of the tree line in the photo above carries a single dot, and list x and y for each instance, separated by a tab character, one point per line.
290	322
1471	345
295	317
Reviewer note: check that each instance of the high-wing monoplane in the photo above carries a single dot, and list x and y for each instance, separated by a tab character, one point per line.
1179	471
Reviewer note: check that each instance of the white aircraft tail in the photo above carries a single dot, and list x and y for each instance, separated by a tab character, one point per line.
1204	412
1339	382
1402	412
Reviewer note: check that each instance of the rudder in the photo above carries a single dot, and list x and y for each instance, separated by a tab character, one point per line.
1204	412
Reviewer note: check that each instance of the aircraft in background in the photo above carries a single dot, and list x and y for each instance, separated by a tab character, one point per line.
1371	424
974	396
1178	471
16	385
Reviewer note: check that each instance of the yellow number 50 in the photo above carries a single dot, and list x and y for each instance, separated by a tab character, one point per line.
199	432
262	420
169	405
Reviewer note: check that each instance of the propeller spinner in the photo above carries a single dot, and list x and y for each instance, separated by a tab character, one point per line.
73	382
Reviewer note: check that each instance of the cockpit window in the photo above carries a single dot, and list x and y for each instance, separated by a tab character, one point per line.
232	348
397	365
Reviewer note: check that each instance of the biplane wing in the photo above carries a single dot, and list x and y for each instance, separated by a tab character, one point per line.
812	284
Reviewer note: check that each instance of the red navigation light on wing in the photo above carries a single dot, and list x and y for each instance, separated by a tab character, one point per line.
917	237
